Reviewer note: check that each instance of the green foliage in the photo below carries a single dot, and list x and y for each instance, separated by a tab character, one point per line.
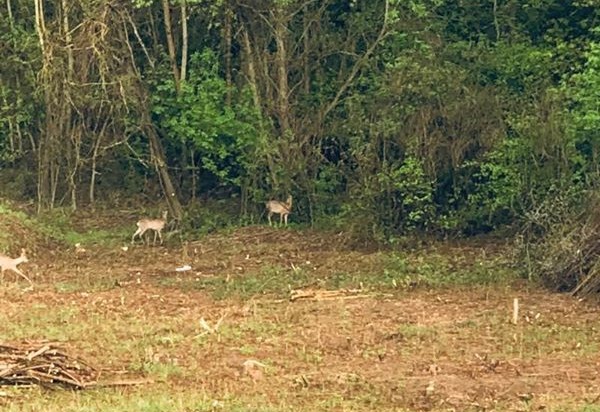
396	200
413	193
500	183
583	91
225	137
210	216
521	69
459	116
19	104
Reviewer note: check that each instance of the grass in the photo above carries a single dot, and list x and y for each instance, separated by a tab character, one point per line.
86	283
395	272
159	400
430	316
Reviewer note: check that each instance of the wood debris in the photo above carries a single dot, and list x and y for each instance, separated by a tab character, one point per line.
46	364
42	364
312	294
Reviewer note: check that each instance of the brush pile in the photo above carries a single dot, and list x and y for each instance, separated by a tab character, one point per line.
43	364
567	256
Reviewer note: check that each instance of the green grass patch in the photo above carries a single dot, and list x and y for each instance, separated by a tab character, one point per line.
161	398
433	270
270	280
57	223
533	340
86	283
397	271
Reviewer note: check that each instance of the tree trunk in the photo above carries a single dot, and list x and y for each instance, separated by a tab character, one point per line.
171	43
250	67
44	147
10	15
184	41
158	159
283	107
227	52
68	131
94	171
306	49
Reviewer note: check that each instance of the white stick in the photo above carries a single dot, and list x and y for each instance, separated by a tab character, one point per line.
515	317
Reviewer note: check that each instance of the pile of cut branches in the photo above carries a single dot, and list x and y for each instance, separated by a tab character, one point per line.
43	364
567	256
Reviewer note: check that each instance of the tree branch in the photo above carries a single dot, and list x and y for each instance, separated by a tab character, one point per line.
357	66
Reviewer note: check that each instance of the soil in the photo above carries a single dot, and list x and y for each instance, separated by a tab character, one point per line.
420	349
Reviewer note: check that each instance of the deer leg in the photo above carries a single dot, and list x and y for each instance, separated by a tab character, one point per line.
285	218
269	217
144	237
137	232
160	236
23	276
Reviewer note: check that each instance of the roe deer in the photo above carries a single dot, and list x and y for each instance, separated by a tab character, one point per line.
8	263
281	208
156	225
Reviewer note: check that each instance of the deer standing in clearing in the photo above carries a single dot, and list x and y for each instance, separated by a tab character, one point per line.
8	263
156	225
283	209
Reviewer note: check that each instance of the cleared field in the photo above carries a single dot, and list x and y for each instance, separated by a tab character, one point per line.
418	330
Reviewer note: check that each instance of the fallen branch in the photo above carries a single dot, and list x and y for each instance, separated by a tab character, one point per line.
311	294
132	382
48	365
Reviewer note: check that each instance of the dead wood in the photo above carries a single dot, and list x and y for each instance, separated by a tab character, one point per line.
312	294
48	365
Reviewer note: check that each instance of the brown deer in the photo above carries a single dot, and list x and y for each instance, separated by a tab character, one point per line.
156	225
8	263
281	208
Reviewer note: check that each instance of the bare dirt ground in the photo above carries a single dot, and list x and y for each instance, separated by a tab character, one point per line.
132	314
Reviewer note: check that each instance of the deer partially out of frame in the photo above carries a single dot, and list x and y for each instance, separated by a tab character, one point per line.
281	208
8	263
156	225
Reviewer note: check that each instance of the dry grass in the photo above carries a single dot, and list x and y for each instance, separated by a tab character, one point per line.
413	343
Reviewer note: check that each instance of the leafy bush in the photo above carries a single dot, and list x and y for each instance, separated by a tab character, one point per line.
396	200
224	136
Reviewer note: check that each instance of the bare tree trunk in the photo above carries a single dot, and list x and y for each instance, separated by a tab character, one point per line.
74	167
227	51
306	48
166	182
75	147
194	178
171	42
184	41
253	82
250	67
43	160
156	150
496	24
160	164
94	171
11	119
283	91
10	15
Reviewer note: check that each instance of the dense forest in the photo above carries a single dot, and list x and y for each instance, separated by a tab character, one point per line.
385	117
